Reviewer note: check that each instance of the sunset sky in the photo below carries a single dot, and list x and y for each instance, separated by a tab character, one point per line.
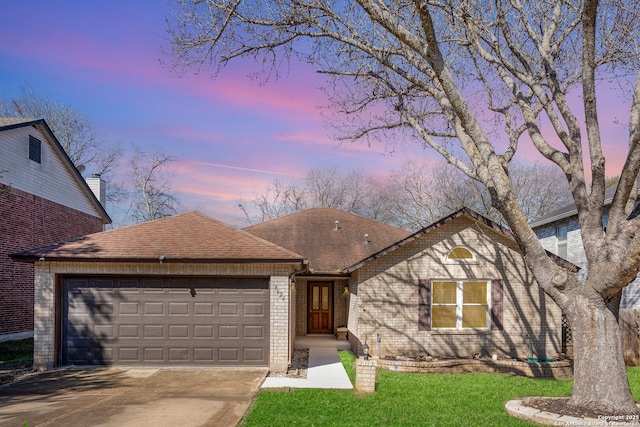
232	135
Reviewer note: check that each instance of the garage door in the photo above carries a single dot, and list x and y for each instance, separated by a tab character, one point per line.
165	321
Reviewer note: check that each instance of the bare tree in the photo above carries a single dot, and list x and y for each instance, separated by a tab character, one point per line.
470	79
421	192
319	188
152	197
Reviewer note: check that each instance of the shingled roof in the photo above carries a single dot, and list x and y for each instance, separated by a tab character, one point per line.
189	237
330	239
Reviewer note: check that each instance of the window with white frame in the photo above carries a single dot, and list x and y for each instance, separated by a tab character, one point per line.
461	304
561	242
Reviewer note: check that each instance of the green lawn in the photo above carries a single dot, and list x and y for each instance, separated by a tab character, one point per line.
403	399
14	353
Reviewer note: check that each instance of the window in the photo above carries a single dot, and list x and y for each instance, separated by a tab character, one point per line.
460	253
35	149
460	304
495	292
561	236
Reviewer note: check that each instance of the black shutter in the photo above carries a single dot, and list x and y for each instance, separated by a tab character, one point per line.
35	149
424	305
496	305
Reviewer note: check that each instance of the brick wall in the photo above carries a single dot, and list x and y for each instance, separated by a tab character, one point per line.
28	221
385	298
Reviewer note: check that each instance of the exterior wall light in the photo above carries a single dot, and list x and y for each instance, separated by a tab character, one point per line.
365	350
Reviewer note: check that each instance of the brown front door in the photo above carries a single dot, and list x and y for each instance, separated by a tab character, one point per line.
320	319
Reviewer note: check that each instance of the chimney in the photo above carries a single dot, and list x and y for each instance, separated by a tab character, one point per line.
99	187
366	239
337	225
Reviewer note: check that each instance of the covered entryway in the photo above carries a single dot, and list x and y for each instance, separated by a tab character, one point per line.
320	304
165	321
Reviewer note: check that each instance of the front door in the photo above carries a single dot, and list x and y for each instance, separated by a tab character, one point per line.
320	305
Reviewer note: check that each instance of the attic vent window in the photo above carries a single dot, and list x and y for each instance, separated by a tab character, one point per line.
460	254
35	149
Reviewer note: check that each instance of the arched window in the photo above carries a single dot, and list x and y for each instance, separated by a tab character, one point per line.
460	254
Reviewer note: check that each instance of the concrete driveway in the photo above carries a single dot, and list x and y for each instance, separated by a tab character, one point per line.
131	397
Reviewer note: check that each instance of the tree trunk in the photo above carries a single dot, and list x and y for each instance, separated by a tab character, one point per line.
600	376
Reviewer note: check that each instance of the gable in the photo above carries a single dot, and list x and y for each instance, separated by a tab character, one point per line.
52	178
427	255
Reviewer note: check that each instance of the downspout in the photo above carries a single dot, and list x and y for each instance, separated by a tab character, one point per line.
292	278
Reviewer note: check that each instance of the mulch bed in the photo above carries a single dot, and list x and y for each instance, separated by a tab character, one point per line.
14	372
560	405
298	367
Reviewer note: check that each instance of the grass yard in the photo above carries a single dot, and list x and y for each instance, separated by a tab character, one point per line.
16	353
403	399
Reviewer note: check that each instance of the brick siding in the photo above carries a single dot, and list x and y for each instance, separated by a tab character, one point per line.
384	300
28	221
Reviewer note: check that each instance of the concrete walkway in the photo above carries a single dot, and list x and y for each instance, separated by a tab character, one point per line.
325	369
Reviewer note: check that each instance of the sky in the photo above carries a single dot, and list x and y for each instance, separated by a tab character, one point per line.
232	135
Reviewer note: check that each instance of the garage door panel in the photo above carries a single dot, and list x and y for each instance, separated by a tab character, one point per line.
253	354
182	321
256	332
154	308
153	331
203	331
203	308
204	354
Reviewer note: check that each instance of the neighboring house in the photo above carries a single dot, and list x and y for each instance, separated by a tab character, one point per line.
43	199
559	233
191	290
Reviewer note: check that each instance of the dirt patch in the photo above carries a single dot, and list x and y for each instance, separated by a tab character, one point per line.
298	367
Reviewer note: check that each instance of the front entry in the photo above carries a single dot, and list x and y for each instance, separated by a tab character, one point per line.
320	303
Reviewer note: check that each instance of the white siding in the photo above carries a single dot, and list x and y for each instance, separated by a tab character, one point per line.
576	255
51	179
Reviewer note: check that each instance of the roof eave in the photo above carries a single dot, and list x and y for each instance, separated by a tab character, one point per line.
44	258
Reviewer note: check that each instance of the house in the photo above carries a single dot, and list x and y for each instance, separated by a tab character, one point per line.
406	292
559	233
43	199
189	290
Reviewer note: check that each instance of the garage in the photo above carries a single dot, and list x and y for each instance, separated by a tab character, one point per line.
165	321
186	290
